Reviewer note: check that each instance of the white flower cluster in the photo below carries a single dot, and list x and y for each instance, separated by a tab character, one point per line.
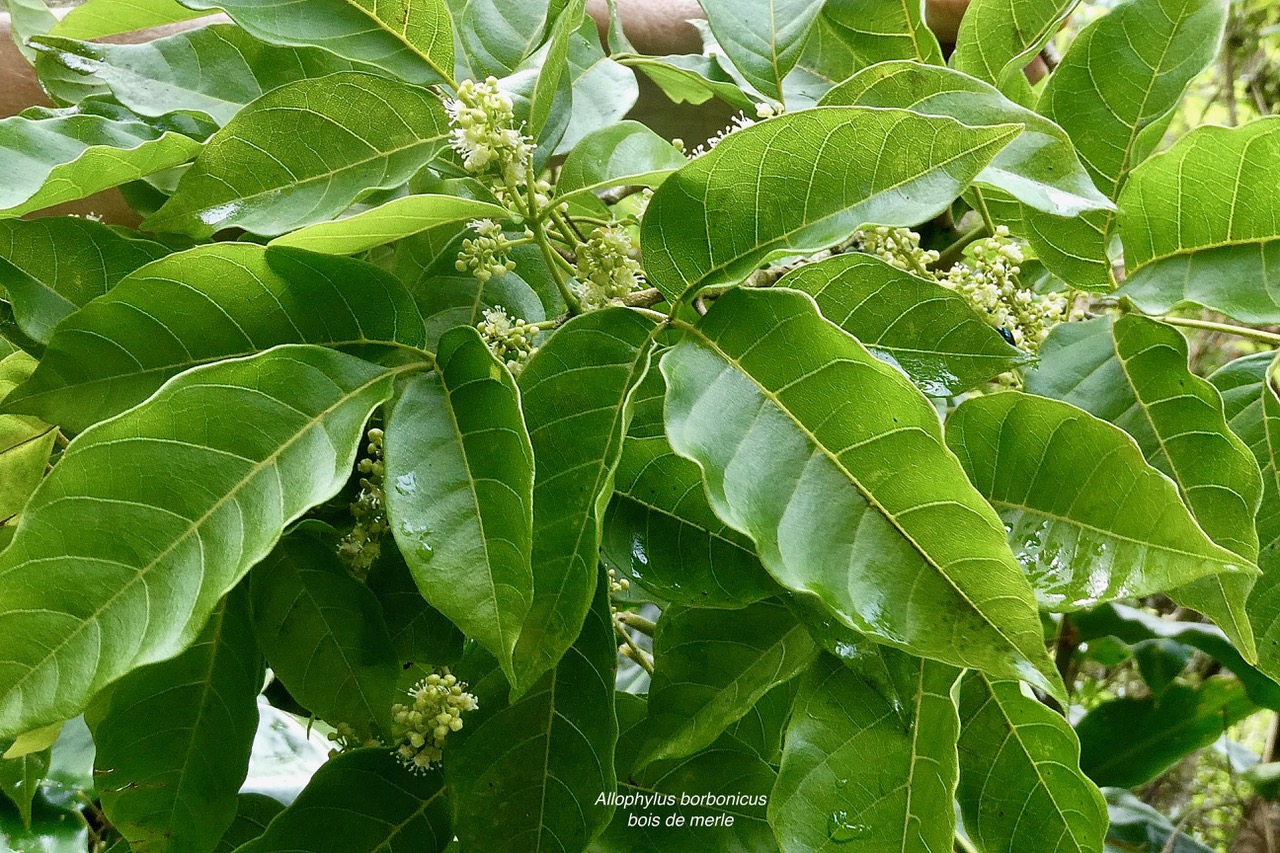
606	268
484	132
990	283
362	546
617	584
736	123
510	339
420	728
485	255
897	247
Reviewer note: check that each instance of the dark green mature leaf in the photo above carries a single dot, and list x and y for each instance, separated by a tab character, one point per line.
660	531
763	38
459	469
214	70
1134	373
98	18
395	220
366	799
323	633
870	756
828	57
603	89
20	780
52	266
1135	826
773	207
554	65
1018	758
159	499
750	399
497	36
1039	167
880	30
526	778
928	331
254	812
1088	518
575	393
763	727
173	738
711	666
999	38
1263	606
55	156
1199	219
203	305
620	154
419	632
1127	742
354	133
409	38
1116	111
25	443
728	769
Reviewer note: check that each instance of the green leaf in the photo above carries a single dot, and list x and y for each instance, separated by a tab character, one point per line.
603	90
1198	220
575	393
661	533
998	39
395	220
52	266
323	634
412	40
1020	759
28	18
459	469
773	206
497	36
158	499
870	756
749	398
1135	373
880	30
689	78
710	668
1039	167
419	632
1130	741
617	155
20	780
56	156
203	305
213	71
763	38
1088	518
554	65
1116	112
99	18
828	57
25	443
173	739
355	133
526	777
366	799
254	812
762	728
1135	825
929	332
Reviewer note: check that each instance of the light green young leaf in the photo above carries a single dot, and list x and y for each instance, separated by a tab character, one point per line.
214	70
1088	518
25	443
870	756
749	398
99	18
880	30
929	332
763	38
459	469
1039	168
156	545
525	776
395	220
772	207
711	666
354	133
621	154
29	18
367	799
409	38
323	633
999	38
52	266
1134	373
56	156
575	393
555	65
1200	218
103	359
173	738
689	78
1020	759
